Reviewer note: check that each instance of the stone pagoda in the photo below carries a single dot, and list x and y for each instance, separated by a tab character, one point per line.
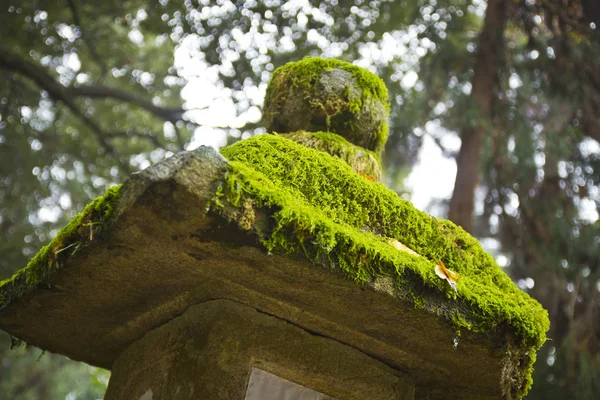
279	269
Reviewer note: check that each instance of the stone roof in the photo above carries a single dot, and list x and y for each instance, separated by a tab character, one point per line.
292	232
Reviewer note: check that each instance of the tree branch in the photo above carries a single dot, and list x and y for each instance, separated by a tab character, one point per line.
129	134
103	92
101	137
92	49
44	80
11	62
67	95
446	153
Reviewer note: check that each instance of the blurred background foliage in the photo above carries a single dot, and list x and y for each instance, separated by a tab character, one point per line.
93	90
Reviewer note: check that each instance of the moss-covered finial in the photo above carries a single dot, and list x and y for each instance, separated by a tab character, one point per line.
316	94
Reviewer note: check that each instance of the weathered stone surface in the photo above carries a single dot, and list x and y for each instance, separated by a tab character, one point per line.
162	252
208	351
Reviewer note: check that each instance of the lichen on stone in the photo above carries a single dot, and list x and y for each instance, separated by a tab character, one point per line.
332	215
94	218
328	95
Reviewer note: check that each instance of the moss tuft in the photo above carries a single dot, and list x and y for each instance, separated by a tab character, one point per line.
336	217
360	160
95	217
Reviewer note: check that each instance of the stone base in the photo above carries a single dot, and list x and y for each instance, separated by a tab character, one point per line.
210	350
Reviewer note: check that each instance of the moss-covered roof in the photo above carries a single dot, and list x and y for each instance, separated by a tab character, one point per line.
333	215
81	229
141	254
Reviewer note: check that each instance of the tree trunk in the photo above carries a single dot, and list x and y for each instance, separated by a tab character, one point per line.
487	65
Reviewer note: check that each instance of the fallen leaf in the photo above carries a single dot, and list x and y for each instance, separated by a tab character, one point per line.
440	270
448	275
401	247
367	176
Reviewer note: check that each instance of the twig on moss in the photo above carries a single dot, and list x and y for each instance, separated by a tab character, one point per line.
68	247
91	225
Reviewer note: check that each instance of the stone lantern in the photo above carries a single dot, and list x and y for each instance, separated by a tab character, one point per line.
279	269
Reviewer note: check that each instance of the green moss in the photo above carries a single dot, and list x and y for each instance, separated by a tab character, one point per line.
79	231
304	74
334	216
360	159
336	141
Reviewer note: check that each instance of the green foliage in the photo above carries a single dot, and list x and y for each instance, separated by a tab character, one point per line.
70	379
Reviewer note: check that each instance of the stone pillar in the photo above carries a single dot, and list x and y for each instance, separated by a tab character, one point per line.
211	350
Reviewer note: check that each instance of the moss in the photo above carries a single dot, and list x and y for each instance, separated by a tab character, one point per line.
343	113
79	231
360	160
321	208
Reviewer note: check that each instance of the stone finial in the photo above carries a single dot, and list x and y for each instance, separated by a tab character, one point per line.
328	95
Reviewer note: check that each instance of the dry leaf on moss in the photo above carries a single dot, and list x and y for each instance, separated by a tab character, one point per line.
448	275
367	177
440	269
402	247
